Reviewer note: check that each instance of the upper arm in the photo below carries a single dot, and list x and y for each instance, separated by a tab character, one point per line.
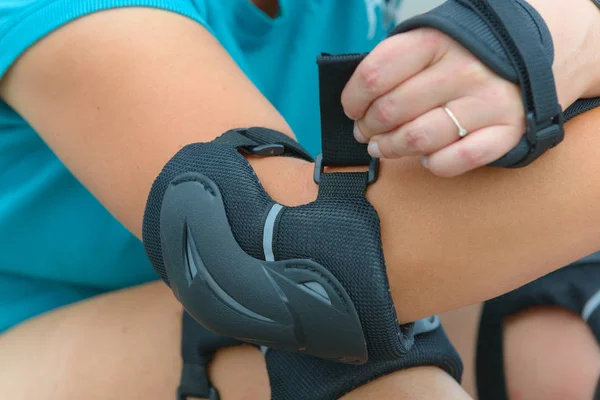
117	93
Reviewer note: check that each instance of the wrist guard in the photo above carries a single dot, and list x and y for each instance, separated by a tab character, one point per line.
512	39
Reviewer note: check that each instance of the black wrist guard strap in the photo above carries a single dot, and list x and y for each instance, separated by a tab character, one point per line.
512	39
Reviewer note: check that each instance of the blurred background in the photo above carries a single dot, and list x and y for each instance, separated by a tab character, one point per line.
412	7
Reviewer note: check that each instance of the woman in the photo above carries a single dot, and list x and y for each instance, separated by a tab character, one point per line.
116	93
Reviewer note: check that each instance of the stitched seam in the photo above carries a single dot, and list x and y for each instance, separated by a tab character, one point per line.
207	187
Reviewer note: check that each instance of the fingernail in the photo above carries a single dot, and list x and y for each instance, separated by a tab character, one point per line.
425	161
360	138
374	150
349	116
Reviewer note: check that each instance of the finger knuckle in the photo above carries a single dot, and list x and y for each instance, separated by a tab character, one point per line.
385	110
473	156
417	137
370	75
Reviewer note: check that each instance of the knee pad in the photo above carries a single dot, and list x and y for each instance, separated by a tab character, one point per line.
512	39
310	279
575	287
295	376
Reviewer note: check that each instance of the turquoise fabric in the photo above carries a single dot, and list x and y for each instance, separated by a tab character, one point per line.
58	245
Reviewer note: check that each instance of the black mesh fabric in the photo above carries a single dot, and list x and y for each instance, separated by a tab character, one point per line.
344	235
295	376
341	232
581	106
569	287
242	195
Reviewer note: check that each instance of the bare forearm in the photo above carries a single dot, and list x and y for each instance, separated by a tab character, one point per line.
450	243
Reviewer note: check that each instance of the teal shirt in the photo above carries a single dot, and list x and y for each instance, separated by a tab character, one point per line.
58	244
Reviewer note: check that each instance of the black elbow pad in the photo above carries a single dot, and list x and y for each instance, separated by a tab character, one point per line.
309	279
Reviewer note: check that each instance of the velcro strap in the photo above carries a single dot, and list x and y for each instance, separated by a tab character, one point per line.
480	25
195	384
339	146
338	143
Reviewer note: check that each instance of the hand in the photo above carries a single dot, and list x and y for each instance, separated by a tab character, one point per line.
398	95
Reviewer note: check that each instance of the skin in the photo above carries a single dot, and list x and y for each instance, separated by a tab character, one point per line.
95	98
572	370
398	93
126	345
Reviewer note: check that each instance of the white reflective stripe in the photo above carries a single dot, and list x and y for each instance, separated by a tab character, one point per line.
269	231
591	306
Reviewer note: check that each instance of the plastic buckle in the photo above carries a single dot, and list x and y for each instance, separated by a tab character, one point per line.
548	137
320	167
426	325
265	150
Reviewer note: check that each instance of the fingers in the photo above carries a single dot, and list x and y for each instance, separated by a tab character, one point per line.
476	150
399	94
393	61
433	87
433	130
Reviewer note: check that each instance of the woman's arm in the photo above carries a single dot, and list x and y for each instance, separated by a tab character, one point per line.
116	110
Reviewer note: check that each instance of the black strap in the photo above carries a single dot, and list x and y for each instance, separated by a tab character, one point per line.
263	142
526	52
339	146
581	106
198	346
544	117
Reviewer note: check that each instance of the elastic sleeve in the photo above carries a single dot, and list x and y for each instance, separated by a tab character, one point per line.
24	22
